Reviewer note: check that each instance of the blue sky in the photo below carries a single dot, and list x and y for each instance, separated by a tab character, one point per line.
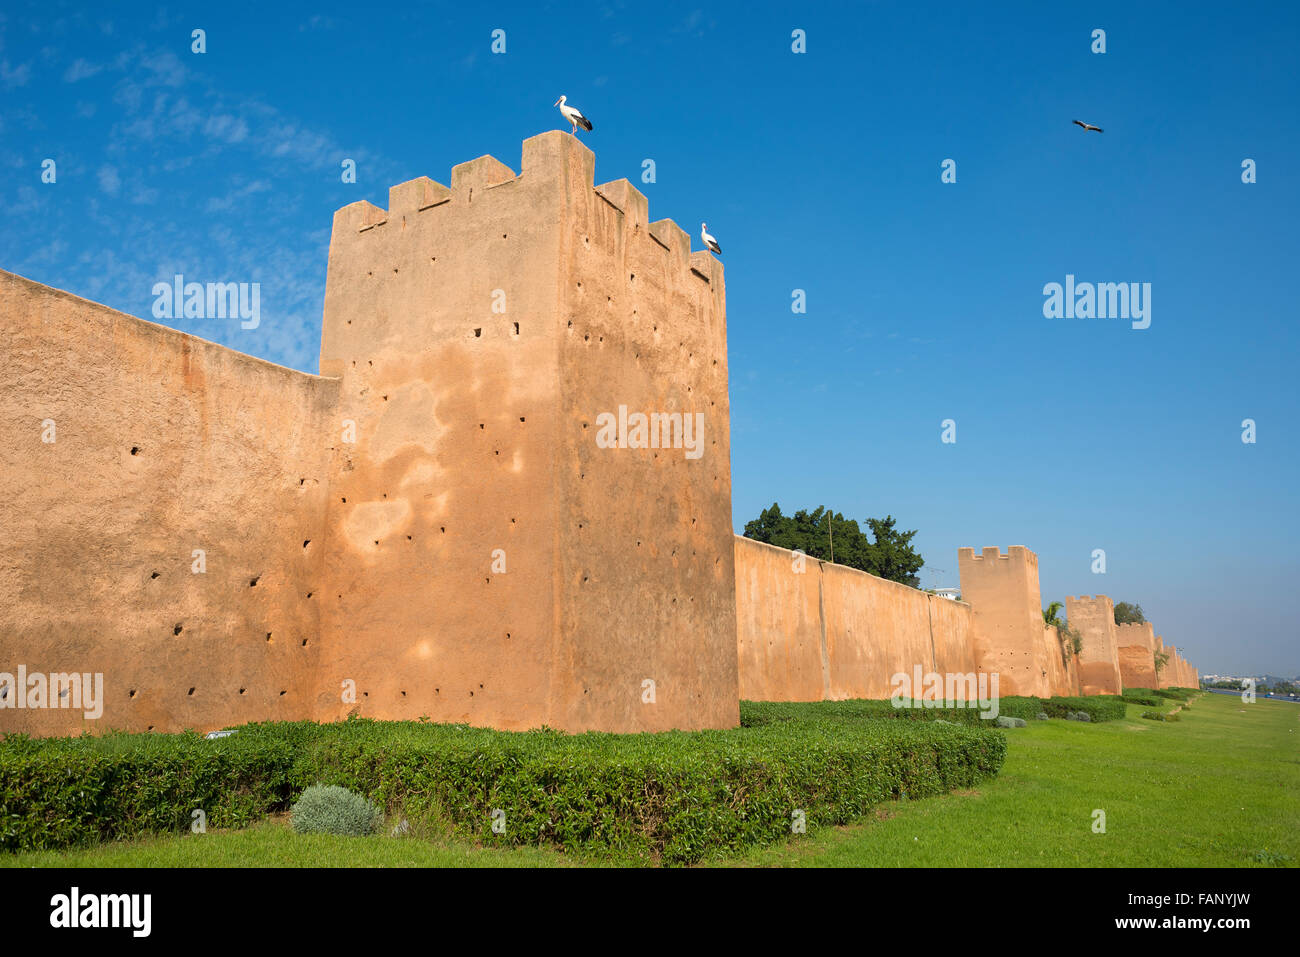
817	171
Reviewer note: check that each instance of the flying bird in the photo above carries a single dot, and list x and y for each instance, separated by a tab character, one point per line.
573	115
1087	127
709	241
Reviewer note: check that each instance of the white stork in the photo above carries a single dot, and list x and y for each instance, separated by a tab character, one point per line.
574	116
709	241
1087	127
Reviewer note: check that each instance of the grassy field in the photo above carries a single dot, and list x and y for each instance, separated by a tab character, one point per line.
1219	787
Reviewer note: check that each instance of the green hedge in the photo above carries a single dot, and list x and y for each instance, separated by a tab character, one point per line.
1099	708
1142	696
676	796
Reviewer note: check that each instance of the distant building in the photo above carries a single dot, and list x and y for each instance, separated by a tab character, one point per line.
952	594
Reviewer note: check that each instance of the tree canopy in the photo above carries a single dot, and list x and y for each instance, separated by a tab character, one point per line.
890	555
1127	613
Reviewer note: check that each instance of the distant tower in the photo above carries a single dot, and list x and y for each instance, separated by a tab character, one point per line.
1008	628
1094	619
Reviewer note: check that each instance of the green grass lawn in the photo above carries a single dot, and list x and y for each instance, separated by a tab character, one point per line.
1219	787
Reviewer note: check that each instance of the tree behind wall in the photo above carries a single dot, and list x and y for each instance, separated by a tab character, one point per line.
819	532
1127	613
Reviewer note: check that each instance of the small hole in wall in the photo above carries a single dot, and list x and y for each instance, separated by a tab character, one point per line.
632	278
480	425
191	691
345	501
385	398
408	538
349	322
253	583
301	481
433	259
154	575
478	332
516	328
242	690
512	521
521	418
436	690
404	693
131	693
507	636
586	338
443	529
268	638
309	594
150	728
135	450
503	236
283	693
304	642
376	541
178	629
306	542
584	578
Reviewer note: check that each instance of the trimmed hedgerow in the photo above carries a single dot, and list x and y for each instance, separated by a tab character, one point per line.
1137	696
675	796
1098	708
58	792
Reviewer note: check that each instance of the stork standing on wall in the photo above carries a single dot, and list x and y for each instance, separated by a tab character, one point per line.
709	241
574	116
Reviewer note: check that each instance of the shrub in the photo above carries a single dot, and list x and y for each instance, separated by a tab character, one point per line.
1160	716
334	810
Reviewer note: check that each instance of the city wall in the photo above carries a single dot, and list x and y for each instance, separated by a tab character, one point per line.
438	525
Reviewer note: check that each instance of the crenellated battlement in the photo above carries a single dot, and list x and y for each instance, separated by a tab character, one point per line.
555	166
1015	553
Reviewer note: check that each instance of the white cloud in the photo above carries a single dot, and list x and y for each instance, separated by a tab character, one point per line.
80	70
109	181
16	76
